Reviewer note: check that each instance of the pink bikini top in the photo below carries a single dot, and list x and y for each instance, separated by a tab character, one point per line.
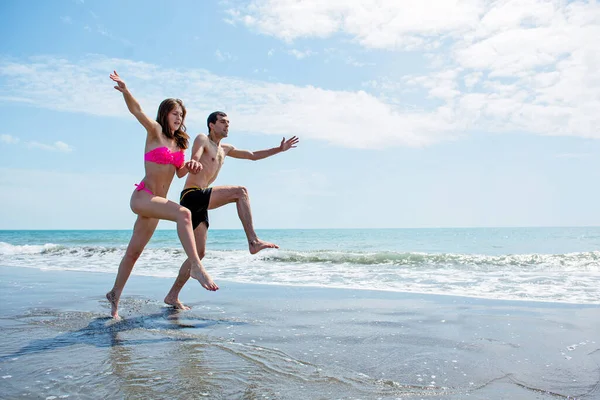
162	155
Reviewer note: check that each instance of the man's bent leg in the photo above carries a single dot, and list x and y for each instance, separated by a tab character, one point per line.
222	195
172	298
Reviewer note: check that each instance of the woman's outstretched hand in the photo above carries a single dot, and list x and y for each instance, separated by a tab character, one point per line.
121	87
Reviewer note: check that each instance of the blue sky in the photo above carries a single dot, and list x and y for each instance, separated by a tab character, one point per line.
430	113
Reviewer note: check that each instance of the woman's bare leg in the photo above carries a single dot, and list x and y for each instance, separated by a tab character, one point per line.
200	234
142	232
220	196
161	208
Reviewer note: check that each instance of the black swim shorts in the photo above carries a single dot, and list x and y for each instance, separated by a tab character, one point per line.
196	200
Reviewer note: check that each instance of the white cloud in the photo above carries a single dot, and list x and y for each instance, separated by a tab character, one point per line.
472	79
355	63
57	146
8	139
440	84
104	32
224	56
373	23
66	20
505	65
301	54
99	28
345	118
334	54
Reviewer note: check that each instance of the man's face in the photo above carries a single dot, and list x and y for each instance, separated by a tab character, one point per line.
221	127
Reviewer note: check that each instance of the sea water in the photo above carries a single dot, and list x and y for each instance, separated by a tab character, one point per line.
535	264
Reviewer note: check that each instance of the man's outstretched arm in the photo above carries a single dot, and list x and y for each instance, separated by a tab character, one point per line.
260	154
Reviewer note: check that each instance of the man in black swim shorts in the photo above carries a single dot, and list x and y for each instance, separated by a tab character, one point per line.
196	200
208	154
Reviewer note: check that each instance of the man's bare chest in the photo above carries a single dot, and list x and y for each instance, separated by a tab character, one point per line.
213	157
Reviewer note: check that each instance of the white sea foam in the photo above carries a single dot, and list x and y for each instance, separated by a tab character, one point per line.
572	277
7	249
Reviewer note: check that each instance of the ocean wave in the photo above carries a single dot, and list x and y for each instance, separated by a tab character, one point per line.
570	277
9	249
579	261
56	250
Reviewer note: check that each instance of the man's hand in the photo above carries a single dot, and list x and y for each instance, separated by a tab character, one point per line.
193	166
288	144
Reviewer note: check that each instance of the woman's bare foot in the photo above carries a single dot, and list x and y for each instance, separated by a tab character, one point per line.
197	272
257	245
175	303
113	299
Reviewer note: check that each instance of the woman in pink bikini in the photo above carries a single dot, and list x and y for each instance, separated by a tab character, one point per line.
166	141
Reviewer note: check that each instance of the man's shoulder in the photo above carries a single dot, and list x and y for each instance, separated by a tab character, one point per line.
201	136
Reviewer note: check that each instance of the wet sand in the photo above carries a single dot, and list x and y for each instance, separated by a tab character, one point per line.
277	342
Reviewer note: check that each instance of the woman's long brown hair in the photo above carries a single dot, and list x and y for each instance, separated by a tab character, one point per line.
167	105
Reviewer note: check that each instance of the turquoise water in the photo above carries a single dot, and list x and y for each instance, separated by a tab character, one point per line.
541	264
490	241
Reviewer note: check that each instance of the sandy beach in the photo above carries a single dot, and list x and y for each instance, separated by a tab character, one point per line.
277	342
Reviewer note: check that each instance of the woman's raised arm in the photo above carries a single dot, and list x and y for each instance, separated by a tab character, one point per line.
133	105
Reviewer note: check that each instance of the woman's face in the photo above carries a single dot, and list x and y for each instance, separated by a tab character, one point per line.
175	118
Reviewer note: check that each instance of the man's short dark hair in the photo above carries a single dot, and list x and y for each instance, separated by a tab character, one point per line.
214	117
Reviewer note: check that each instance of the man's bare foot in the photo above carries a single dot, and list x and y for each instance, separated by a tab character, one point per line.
113	299
197	272
175	303
257	245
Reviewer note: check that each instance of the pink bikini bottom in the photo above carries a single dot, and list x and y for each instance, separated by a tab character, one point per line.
142	186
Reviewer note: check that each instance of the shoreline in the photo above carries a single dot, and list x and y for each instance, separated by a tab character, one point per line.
297	342
323	287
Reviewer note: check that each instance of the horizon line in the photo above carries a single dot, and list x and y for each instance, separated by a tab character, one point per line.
333	228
